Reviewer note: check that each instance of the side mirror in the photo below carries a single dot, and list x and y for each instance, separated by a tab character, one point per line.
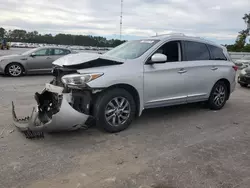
158	58
33	55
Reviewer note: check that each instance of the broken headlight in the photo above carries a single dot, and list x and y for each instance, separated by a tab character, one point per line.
79	79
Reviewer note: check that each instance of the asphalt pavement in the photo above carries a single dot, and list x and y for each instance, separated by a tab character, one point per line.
185	146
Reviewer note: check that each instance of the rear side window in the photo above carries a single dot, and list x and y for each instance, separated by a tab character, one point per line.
216	53
196	51
59	52
42	52
66	52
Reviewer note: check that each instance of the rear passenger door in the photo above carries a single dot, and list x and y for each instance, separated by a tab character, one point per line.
200	70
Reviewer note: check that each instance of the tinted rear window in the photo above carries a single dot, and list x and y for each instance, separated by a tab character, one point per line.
216	53
196	51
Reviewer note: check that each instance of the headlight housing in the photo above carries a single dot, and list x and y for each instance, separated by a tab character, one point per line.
79	80
243	71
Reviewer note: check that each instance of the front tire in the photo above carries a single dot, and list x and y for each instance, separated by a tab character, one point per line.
15	70
115	110
218	96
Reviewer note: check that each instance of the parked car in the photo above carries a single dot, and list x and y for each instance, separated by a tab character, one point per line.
243	62
244	77
117	86
32	61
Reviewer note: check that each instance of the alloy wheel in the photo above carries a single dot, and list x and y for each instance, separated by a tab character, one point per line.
219	95
117	111
15	70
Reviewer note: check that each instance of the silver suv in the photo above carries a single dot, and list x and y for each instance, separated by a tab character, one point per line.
117	86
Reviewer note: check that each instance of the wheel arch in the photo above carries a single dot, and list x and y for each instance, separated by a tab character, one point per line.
131	90
228	85
5	69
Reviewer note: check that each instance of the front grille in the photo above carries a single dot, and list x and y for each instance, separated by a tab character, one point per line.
245	79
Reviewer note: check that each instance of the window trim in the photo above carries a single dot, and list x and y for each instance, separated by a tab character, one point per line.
180	51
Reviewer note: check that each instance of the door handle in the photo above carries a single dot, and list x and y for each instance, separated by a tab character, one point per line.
181	71
214	68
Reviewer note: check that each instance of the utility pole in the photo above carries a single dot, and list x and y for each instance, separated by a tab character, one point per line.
121	20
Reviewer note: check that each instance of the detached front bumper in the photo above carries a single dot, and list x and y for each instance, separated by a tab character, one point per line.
52	114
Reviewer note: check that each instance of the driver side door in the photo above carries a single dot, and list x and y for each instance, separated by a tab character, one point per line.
166	83
41	61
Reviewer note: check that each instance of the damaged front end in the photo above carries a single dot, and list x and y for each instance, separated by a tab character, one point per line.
67	101
58	109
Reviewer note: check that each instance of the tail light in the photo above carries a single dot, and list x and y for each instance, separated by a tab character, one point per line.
235	67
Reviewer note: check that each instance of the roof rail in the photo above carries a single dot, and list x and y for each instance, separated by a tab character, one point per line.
169	34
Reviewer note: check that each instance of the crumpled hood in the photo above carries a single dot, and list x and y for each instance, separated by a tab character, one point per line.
75	60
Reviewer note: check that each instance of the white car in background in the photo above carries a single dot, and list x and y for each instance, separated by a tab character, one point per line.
243	62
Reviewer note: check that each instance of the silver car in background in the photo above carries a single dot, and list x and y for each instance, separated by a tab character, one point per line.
115	87
243	62
38	60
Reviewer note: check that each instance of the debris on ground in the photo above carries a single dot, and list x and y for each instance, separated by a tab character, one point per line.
112	179
120	161
2	132
198	127
11	131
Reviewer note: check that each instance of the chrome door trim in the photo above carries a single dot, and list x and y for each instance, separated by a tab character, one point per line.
166	102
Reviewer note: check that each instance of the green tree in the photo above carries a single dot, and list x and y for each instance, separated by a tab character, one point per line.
2	32
240	43
18	35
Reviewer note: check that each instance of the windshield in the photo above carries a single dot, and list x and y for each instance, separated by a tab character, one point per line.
29	51
131	49
246	58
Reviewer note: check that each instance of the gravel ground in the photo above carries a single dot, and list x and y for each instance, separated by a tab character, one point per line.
177	147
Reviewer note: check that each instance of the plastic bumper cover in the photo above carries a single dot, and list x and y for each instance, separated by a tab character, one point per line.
66	118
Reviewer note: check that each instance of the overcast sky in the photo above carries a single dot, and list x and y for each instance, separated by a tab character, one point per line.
219	20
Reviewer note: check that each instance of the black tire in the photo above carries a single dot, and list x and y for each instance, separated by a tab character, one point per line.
101	105
213	101
243	85
20	67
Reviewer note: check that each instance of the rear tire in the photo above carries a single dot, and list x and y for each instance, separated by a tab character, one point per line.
243	85
15	70
114	110
218	96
